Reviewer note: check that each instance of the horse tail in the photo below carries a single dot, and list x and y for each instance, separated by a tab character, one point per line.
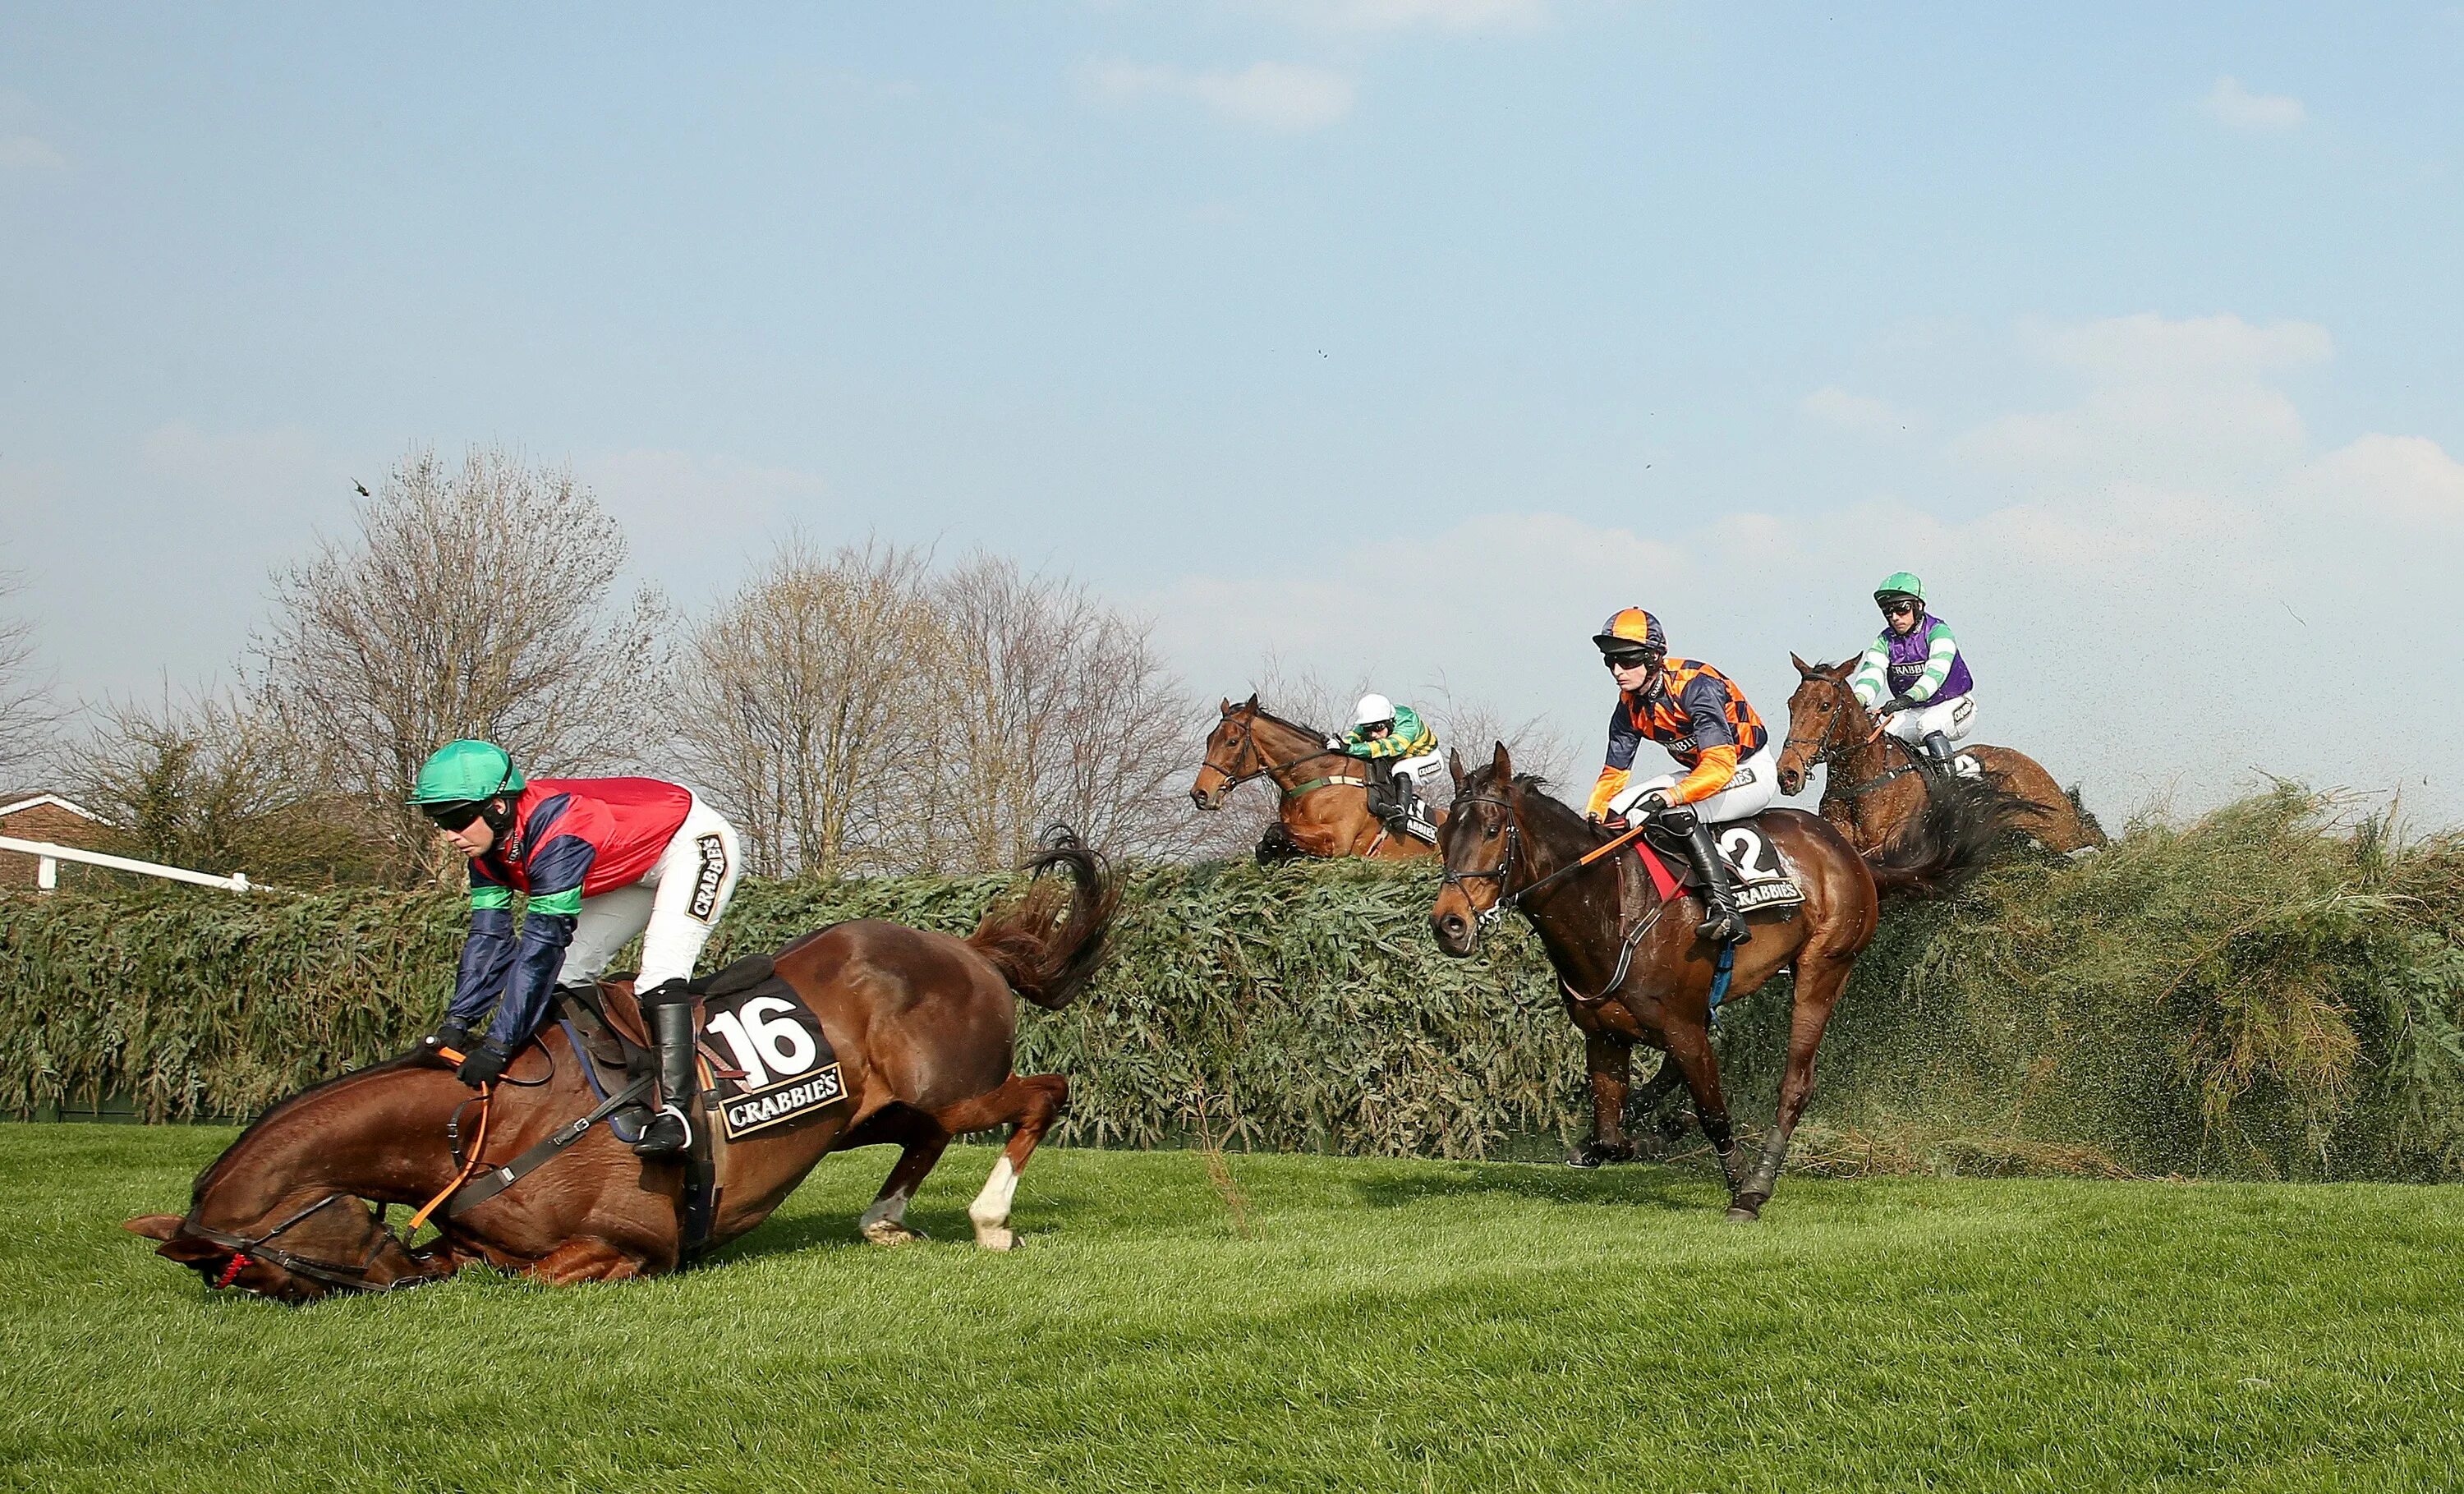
1047	941
1963	824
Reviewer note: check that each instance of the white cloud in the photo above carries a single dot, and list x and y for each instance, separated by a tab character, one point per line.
1286	97
1391	16
2406	479
2236	107
2178	401
1859	414
26	153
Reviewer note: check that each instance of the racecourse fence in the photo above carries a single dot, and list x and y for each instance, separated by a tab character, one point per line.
2272	991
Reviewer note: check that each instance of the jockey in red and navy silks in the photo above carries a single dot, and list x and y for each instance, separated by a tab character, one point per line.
599	861
569	839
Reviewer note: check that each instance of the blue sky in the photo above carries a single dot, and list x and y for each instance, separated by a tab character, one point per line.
1400	337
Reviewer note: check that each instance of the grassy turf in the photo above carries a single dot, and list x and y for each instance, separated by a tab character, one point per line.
1384	1326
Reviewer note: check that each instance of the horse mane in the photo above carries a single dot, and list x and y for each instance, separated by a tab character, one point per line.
283	1107
1261	714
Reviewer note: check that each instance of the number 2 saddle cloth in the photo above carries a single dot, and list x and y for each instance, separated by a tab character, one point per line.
1761	875
765	1064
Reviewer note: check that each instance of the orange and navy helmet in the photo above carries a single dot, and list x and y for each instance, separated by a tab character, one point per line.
1632	630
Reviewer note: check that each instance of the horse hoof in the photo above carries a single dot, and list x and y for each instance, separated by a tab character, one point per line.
1598	1153
1745	1210
997	1238
889	1232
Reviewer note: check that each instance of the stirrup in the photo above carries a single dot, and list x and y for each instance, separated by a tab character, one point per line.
650	1145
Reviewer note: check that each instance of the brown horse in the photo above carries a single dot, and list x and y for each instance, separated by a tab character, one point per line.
1875	786
1325	808
923	1027
1630	968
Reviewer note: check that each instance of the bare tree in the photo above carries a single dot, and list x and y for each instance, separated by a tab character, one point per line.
472	602
803	703
27	715
1047	705
219	785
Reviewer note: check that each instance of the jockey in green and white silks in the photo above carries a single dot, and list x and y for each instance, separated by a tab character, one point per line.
1393	735
1913	677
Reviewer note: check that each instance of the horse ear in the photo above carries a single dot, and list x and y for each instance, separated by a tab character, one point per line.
1226	707
153	1227
1842	669
1504	764
1250	704
1803	668
1453	765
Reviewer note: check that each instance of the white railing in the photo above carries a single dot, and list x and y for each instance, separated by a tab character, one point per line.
48	858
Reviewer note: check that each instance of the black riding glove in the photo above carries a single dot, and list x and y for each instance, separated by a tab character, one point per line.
1897	704
485	1065
449	1034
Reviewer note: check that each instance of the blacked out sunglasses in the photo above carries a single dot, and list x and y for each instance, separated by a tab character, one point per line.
1895	608
1627	661
454	816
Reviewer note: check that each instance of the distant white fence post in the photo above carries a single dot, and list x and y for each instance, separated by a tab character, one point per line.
48	858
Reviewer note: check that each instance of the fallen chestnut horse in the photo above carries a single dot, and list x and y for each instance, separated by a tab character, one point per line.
1874	786
923	1029
1630	967
1324	805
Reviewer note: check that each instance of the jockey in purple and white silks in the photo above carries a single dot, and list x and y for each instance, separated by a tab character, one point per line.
1913	677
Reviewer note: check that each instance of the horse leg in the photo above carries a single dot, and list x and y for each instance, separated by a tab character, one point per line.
586	1260
1643	1105
1817	989
1606	1057
1689	1049
1031	1103
921	1142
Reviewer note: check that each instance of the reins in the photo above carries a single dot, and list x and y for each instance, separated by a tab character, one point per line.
1827	750
1265	769
1631	941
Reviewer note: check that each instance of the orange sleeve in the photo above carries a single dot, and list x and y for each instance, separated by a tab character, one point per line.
1611	779
1710	775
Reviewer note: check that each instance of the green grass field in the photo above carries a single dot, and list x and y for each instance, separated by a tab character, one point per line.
1381	1326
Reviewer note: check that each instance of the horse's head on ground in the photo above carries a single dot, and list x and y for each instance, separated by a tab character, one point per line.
301	1251
1823	717
1231	754
280	1215
1478	843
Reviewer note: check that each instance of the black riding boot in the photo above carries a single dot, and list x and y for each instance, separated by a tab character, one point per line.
1722	923
668	1010
1937	746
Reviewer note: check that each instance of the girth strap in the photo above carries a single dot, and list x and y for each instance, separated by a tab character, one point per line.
1312	786
496	1179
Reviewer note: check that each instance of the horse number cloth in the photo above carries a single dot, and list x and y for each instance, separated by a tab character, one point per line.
1758	874
789	1074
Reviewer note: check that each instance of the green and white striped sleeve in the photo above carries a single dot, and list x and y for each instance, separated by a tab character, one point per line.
1939	649
1871	682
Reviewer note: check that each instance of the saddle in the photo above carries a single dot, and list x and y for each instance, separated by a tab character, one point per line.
1758	874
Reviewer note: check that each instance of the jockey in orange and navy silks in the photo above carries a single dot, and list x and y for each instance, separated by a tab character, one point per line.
600	860
1703	718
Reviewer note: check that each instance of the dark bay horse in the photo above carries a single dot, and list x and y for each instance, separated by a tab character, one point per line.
1325	808
923	1026
1874	786
1629	975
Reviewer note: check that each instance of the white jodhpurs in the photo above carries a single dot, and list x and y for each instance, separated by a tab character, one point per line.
1421	768
672	908
1748	794
1953	719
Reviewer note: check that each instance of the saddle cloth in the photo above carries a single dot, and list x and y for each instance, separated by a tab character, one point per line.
766	1062
1757	870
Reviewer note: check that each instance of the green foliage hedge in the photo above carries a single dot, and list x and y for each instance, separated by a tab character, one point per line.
2266	992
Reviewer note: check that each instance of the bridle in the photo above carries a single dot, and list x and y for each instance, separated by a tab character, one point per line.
1827	746
1508	853
1249	745
245	1249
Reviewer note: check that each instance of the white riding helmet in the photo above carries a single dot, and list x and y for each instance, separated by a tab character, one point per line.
1371	710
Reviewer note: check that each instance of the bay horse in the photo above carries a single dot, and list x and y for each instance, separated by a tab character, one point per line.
1325	807
923	1027
1629	975
1874	786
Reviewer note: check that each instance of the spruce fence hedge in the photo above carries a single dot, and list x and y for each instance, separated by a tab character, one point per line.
2269	991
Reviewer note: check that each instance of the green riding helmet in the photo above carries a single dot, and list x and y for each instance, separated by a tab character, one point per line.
1898	584
466	772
